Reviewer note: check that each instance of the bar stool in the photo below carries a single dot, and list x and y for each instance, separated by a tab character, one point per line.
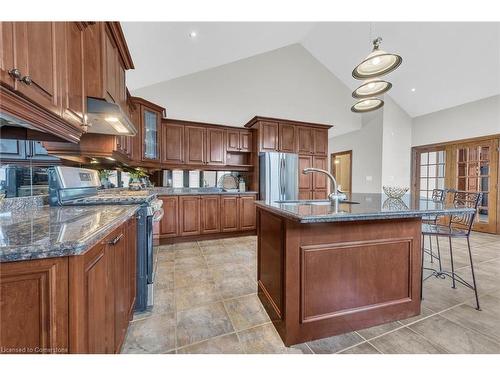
459	226
438	196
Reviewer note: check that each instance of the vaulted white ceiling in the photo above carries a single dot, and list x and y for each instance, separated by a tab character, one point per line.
447	64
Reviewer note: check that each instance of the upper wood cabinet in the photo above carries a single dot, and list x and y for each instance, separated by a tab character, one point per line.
215	146
287	137
195	144
239	140
172	143
290	136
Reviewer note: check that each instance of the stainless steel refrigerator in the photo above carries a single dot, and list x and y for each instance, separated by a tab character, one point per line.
279	180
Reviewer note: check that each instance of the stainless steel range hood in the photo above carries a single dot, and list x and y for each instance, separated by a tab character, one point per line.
108	118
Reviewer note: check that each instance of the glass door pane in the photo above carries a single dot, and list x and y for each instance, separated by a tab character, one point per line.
151	135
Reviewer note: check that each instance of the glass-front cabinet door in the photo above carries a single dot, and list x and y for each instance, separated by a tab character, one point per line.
151	128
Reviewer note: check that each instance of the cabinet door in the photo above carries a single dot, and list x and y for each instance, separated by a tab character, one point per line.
34	305
74	97
320	141
305	194
91	301
233	140
169	224
111	68
37	45
247	212
7	53
173	143
246	141
137	140
210	214
150	130
229	213
189	215
269	136
320	181
287	138
305	180
216	150
320	194
305	140
194	144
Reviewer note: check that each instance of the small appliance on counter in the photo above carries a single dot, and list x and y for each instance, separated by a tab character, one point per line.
70	186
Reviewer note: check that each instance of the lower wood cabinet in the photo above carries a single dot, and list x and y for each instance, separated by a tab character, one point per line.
194	215
77	304
313	185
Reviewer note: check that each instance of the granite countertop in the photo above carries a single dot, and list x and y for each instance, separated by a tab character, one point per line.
195	191
48	232
368	207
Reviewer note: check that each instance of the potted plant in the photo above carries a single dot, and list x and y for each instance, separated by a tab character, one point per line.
135	179
104	177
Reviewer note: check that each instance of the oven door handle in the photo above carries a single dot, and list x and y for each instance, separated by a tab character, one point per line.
158	215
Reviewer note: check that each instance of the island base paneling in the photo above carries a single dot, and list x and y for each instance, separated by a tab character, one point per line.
324	279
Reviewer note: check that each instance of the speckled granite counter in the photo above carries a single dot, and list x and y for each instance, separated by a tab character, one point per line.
49	232
196	191
367	207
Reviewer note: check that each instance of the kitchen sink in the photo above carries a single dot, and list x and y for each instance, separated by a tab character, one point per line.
316	202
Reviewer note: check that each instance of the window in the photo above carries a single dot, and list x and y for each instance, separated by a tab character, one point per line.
432	172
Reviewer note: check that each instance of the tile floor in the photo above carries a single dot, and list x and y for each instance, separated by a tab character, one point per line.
206	302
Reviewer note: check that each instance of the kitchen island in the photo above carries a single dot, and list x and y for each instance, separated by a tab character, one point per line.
326	269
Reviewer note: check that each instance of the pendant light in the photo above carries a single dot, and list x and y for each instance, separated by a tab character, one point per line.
377	63
372	87
367	105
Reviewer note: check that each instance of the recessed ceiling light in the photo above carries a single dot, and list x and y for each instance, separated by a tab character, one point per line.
413	89
193	34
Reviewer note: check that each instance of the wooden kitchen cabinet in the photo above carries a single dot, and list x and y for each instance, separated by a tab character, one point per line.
229	213
34	306
210	214
195	144
320	141
312	185
239	140
287	137
268	136
247	212
305	140
189	215
150	127
320	181
173	143
169	224
305	180
215	147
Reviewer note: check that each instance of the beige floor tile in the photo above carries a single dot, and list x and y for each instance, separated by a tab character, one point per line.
405	341
364	348
164	275
196	295
202	323
151	335
190	263
188	252
264	340
424	313
334	344
163	301
184	245
165	255
220	272
375	331
246	312
236	286
455	338
228	344
188	277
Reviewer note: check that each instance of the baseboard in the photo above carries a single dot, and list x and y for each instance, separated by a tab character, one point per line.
203	237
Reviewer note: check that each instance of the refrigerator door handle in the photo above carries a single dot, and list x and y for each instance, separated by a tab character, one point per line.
282	178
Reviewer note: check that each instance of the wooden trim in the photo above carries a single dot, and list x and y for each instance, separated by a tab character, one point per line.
117	33
198	123
348	152
42	120
136	100
457	141
256	119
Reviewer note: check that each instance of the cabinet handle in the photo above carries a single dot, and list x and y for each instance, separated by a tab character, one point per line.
15	73
115	240
26	80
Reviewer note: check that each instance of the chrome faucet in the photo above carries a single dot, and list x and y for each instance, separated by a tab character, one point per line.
335	195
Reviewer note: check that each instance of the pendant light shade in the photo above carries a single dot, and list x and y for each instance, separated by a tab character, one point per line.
374	87
377	63
367	105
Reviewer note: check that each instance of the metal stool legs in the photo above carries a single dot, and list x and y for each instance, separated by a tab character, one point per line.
430	249
439	254
473	275
454	286
422	270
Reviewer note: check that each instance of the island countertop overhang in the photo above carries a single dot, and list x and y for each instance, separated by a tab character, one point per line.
367	207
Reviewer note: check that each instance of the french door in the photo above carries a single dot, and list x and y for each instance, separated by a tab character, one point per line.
469	165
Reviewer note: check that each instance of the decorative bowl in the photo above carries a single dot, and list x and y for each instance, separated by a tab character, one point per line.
395	191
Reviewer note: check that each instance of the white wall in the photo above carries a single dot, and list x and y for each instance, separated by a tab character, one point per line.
396	145
468	120
366	146
285	83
